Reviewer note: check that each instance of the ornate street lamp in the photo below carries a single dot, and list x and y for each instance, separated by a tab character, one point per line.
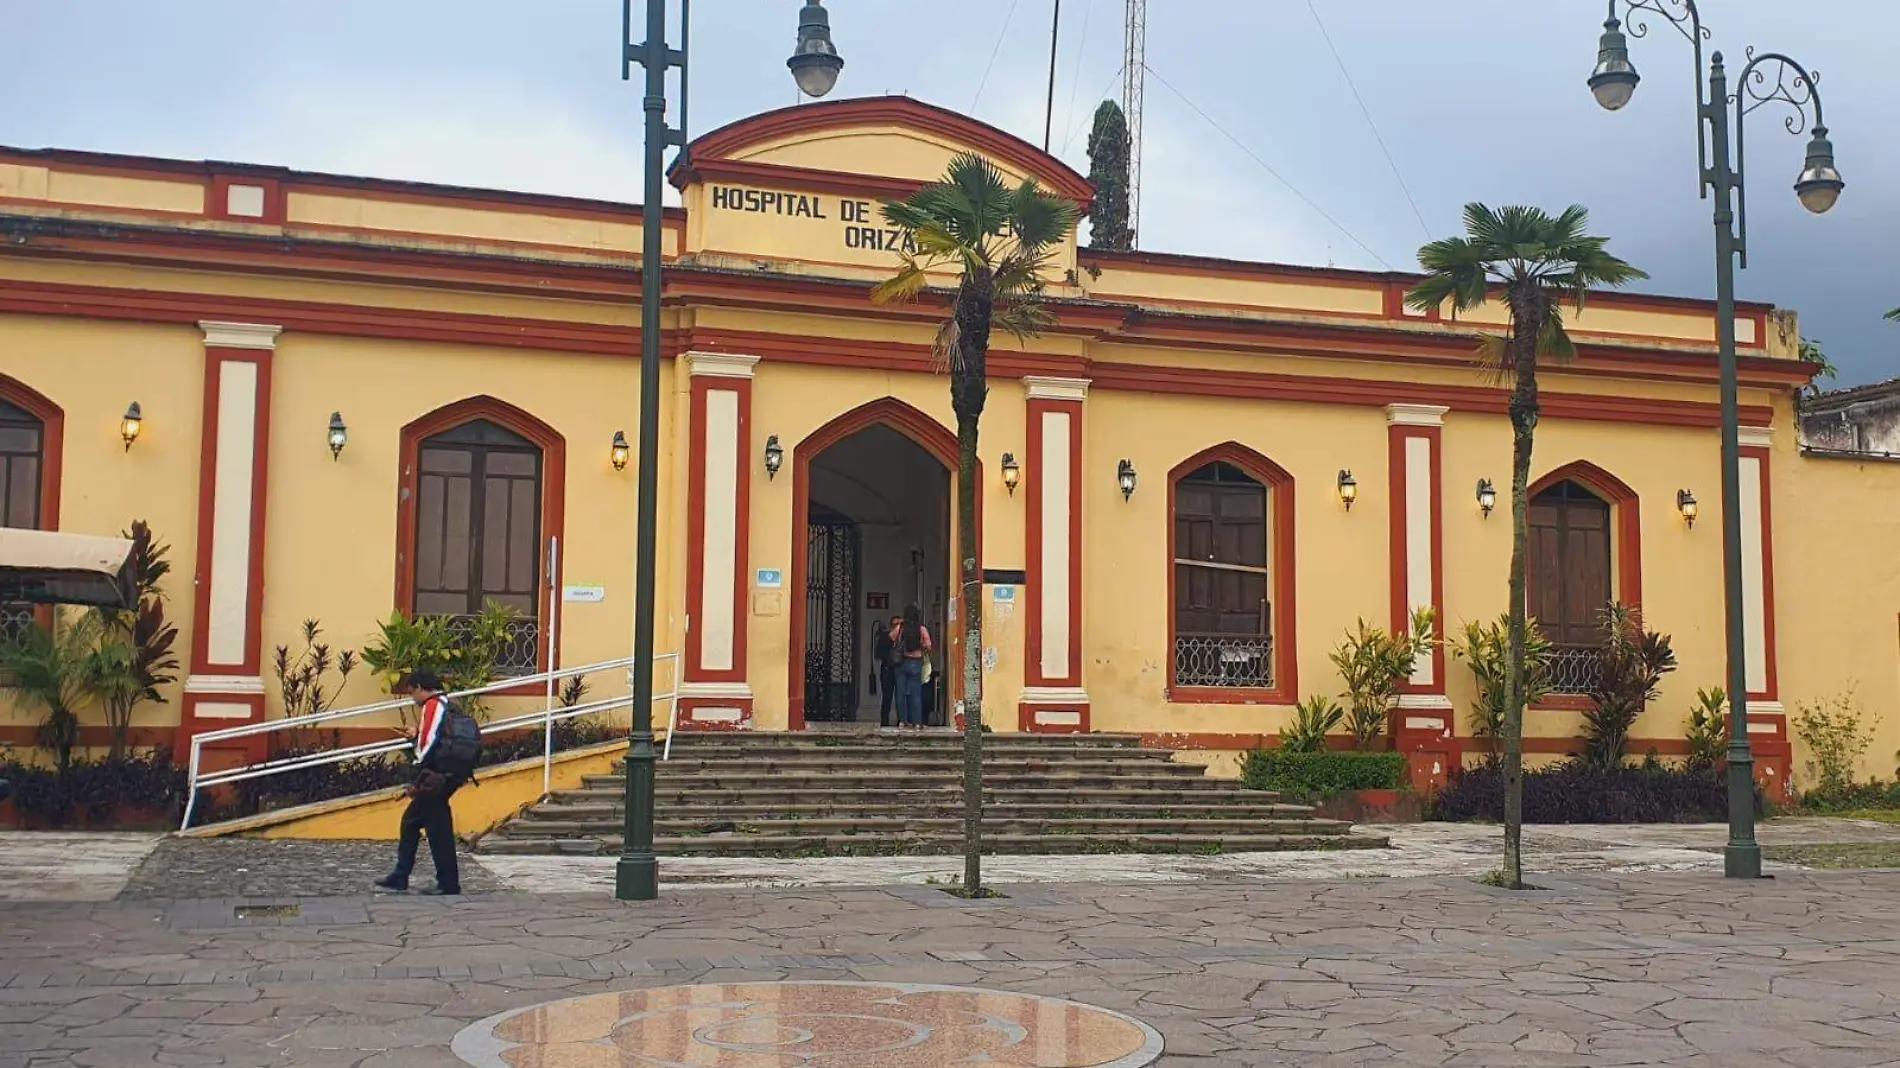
1125	478
130	424
1769	78
815	65
338	436
1487	496
1012	472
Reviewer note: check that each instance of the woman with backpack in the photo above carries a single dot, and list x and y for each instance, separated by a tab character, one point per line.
448	746
911	639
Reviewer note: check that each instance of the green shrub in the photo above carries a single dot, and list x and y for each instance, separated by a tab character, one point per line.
1836	735
1313	718
1321	775
1373	663
1630	668
1708	729
1486	648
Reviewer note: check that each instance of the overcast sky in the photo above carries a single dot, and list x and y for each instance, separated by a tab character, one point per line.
1475	99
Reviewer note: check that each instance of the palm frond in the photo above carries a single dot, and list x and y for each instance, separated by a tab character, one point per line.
1893	316
1553	342
944	348
1493	359
902	287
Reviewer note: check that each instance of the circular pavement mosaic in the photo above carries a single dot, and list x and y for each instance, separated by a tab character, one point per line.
809	1025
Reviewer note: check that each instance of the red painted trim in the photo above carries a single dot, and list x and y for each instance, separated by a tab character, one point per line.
1398	476
1151	327
252	663
1033	539
172	170
1283	576
931	436
52	442
553	499
696	671
689	706
1375	393
1626	513
900	111
218	200
1773	678
1026	718
190	725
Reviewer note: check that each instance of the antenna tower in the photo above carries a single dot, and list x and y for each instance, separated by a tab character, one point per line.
1134	78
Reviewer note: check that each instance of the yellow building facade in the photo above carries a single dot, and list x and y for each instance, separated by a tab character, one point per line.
1167	546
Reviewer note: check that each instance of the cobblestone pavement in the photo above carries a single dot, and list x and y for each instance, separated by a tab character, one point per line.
1674	968
280	867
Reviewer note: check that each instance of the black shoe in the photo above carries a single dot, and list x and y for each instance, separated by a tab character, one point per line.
390	882
440	891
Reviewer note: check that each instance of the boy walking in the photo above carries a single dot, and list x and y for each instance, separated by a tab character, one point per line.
447	744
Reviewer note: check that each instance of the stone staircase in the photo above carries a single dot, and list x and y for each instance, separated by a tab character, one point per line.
884	793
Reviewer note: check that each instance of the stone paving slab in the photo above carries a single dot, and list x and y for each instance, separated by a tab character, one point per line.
1603	969
259	868
63	866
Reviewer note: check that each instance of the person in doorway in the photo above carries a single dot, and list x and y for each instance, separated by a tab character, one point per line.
443	765
912	639
885	651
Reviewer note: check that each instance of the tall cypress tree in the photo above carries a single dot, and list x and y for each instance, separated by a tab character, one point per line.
1109	149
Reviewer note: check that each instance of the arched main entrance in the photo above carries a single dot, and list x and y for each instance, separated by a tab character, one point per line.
872	531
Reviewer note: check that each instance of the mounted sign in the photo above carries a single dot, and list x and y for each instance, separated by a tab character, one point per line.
770	579
1003	593
877	600
583	594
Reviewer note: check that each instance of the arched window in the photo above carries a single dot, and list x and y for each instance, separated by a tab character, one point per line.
22	477
1230	548
1570	579
481	502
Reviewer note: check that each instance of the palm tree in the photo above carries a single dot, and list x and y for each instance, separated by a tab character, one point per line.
999	241
1539	262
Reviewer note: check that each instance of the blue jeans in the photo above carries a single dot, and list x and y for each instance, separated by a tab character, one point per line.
910	692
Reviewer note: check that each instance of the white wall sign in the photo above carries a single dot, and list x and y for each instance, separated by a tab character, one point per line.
583	594
771	579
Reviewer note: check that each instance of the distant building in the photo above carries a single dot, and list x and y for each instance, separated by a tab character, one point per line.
1864	419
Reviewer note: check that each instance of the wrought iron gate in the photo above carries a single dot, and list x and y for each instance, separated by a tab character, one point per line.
833	554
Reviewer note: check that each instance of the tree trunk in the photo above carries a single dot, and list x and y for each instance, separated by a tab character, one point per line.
970	605
1528	309
969	391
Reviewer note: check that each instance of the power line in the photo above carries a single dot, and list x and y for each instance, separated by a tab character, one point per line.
994	52
1089	119
1081	50
1265	166
1367	112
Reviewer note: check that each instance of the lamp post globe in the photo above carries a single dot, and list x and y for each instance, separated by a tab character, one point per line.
1614	79
815	62
1820	183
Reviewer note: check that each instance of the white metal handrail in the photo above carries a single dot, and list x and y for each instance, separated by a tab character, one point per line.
546	718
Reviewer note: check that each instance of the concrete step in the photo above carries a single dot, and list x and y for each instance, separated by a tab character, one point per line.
946	807
891	738
702	782
767	795
911	826
736	845
818	761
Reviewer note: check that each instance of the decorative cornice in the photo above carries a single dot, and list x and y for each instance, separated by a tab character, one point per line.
239	335
720	365
248	685
1415	414
1041	387
1760	437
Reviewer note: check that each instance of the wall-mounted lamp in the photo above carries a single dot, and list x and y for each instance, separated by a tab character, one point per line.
338	436
1348	488
1487	496
1685	503
1012	472
130	425
1125	478
618	450
774	457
